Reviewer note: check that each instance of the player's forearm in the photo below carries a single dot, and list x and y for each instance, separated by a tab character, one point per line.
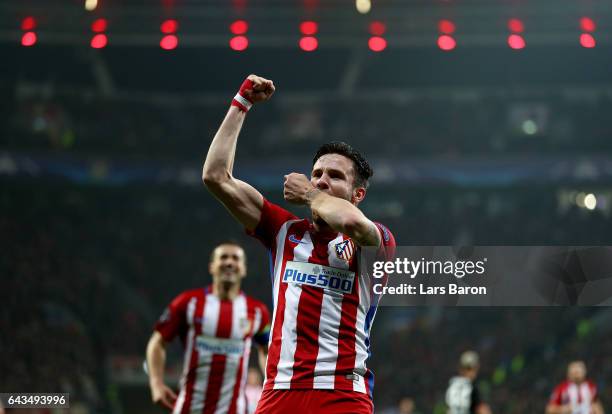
262	358
156	360
334	211
220	158
341	216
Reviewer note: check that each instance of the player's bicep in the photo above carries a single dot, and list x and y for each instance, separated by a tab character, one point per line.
156	340
242	200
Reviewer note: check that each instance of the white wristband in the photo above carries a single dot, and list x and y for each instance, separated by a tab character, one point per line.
243	101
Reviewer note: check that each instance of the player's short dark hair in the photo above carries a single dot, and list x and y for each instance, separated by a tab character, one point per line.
363	171
225	243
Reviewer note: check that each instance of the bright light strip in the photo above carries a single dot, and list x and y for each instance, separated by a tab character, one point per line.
363	6
590	201
90	5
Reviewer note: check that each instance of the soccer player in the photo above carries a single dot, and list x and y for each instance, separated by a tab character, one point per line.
216	325
462	395
323	304
576	395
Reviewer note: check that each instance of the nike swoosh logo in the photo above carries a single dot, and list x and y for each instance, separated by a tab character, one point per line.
293	239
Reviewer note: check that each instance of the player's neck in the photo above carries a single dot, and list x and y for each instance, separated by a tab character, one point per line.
226	291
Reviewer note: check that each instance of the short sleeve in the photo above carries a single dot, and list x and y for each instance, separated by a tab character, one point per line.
555	398
386	250
593	389
262	336
172	321
272	219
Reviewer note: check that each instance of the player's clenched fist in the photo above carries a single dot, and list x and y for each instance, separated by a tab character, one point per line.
261	90
298	189
253	89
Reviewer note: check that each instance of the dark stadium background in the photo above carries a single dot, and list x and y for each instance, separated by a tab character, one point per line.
103	217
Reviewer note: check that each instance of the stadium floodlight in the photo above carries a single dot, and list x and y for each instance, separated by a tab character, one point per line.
28	39
446	43
239	27
587	24
28	24
169	42
590	201
529	127
169	26
239	43
516	42
309	43
587	41
377	28
363	6
377	44
446	27
99	25
309	28
90	5
516	26
99	41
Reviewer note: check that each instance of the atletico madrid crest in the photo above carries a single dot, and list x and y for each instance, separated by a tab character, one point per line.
345	249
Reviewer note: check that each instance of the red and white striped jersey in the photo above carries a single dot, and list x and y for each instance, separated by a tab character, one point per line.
580	397
323	305
217	338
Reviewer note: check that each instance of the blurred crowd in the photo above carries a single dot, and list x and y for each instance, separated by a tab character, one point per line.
437	126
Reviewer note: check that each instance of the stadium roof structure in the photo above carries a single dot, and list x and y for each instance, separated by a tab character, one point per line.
132	65
274	23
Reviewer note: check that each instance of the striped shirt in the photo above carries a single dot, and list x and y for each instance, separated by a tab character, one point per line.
217	338
580	397
323	305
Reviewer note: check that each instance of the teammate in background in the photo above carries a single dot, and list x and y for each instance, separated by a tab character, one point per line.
216	325
576	395
324	306
462	394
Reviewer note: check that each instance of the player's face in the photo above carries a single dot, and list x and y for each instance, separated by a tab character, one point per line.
576	372
228	264
335	175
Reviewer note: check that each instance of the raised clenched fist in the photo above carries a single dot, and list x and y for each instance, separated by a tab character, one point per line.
253	89
262	89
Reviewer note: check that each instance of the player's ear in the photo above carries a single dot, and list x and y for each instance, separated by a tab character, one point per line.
359	194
